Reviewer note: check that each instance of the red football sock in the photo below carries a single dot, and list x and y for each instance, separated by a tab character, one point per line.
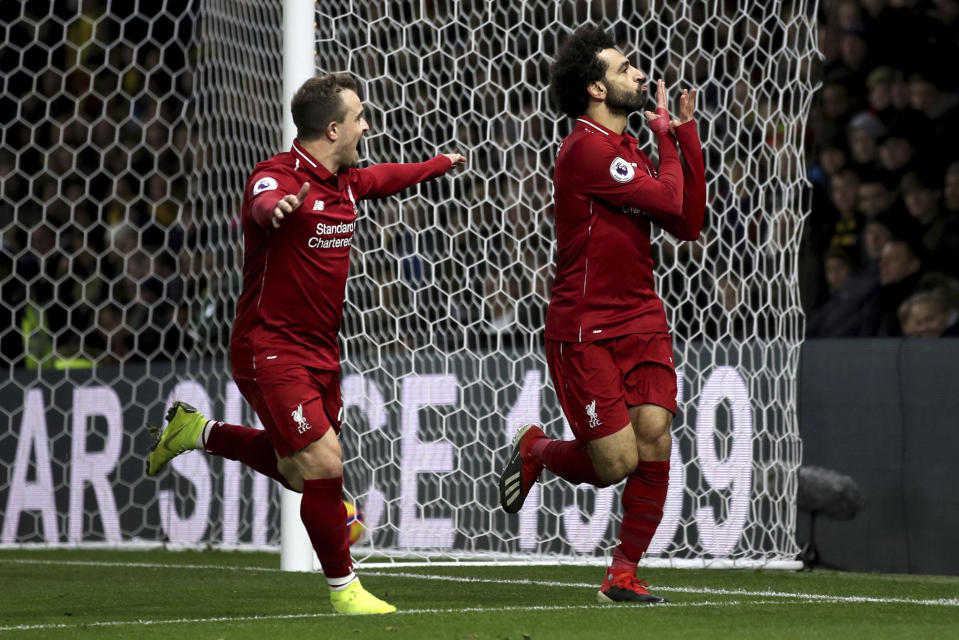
568	459
247	445
324	516
643	498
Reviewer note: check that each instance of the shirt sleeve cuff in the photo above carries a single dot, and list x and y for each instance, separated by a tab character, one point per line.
686	128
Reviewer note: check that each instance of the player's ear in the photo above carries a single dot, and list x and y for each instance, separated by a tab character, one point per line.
332	131
596	90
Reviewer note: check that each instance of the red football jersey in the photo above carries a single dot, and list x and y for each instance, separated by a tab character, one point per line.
294	276
606	194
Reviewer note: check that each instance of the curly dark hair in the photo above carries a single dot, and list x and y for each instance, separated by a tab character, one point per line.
577	66
317	103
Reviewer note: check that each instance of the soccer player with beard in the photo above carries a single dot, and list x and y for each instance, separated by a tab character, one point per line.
607	344
298	214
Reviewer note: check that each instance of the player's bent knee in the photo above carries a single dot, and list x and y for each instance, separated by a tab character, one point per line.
655	445
617	468
322	458
614	456
322	467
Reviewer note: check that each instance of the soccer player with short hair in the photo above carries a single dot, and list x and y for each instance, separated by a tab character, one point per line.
607	344
298	215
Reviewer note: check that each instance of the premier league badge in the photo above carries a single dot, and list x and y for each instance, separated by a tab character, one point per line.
621	171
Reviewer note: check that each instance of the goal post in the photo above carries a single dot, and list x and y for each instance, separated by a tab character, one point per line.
299	64
134	147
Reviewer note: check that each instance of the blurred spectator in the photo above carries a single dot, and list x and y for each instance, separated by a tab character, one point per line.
836	106
880	83
831	159
900	268
946	249
846	311
900	93
847	221
875	234
873	197
931	95
837	266
899	261
926	315
854	54
864	131
896	150
921	195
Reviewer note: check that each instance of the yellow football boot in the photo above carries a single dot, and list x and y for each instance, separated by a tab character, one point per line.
183	427
354	600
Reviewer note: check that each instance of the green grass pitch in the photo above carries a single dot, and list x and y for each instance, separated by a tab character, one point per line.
224	595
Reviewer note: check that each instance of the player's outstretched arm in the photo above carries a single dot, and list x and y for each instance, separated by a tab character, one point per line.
381	180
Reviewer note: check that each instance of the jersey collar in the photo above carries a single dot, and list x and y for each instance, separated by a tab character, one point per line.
588	124
309	162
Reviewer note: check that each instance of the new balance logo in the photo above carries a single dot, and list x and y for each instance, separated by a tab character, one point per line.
591	414
318	205
301	424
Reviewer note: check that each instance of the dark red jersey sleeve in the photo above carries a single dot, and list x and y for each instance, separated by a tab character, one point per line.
609	177
689	225
264	189
381	180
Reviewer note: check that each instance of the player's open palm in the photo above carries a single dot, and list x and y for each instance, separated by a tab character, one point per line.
687	103
288	204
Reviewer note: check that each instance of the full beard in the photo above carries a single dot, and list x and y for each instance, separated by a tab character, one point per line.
624	102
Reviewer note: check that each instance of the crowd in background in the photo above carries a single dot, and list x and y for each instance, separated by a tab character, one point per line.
100	260
881	247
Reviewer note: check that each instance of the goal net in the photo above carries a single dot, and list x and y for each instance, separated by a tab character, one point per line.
123	168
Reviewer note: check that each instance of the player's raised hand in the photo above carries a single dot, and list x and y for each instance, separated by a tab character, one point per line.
659	121
687	104
457	160
661	102
288	204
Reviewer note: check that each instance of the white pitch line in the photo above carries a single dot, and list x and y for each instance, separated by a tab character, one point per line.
298	616
456	611
819	597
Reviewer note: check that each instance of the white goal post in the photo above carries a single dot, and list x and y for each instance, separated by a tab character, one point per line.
133	146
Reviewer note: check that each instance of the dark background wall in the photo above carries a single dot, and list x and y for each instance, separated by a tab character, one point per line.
886	413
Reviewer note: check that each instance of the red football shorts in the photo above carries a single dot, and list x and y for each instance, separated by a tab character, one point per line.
295	404
596	382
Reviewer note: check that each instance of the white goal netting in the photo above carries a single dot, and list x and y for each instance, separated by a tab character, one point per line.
133	132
